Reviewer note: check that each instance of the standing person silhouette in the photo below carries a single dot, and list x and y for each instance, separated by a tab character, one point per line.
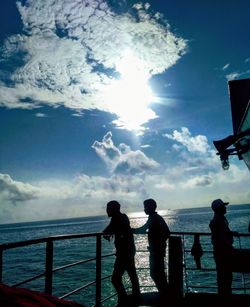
119	226
158	232
222	240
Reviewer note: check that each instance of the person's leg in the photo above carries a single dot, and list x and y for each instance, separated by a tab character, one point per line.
119	269
224	274
133	276
157	272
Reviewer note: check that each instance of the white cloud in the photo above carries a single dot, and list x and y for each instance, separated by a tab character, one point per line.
233	76
197	181
236	75
82	196
40	115
16	191
193	144
122	159
225	66
67	48
174	186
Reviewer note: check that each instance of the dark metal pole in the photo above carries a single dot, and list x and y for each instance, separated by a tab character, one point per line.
1	266
98	270
49	267
175	266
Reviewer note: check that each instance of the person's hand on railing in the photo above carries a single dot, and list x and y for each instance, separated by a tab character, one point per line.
108	237
235	233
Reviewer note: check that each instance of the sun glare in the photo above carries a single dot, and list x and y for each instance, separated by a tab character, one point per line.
130	95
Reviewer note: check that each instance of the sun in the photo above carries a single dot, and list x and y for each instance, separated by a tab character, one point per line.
130	95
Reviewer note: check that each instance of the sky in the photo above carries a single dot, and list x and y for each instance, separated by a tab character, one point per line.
103	100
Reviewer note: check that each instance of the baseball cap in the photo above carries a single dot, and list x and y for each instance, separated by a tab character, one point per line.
218	203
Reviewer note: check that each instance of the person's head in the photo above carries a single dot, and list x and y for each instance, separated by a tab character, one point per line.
149	206
219	206
113	207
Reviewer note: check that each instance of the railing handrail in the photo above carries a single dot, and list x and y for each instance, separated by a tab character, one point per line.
5	246
49	259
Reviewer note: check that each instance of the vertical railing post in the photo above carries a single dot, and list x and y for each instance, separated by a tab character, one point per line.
1	265
98	270
49	267
175	262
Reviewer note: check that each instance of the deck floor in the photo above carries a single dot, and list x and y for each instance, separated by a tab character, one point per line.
190	300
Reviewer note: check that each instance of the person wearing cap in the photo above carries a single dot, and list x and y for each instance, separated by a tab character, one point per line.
158	232
222	240
119	226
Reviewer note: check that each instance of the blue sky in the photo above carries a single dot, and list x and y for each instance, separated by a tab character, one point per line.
104	100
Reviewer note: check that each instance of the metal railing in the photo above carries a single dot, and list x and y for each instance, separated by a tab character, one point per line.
189	286
50	270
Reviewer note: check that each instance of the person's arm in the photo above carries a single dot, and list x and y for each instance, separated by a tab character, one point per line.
234	233
140	230
108	231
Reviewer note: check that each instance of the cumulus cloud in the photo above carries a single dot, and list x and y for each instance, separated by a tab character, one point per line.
16	191
198	181
81	196
69	50
122	159
87	195
192	143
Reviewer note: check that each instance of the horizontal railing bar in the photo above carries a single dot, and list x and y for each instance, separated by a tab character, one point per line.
108	255
108	298
187	233
214	287
28	280
201	269
5	246
189	251
83	287
202	287
77	289
54	270
106	277
73	264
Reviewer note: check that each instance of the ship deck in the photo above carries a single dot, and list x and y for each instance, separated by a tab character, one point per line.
191	300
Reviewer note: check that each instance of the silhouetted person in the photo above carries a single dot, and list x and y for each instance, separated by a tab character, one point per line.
222	240
119	226
158	232
196	251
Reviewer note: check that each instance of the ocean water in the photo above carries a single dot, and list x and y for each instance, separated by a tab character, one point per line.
25	262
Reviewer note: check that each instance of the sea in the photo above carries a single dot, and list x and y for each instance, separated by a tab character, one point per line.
25	262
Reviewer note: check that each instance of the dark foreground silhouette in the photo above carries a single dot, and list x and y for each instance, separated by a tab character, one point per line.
119	226
158	232
20	297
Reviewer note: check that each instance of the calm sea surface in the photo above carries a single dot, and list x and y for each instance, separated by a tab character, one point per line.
23	263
